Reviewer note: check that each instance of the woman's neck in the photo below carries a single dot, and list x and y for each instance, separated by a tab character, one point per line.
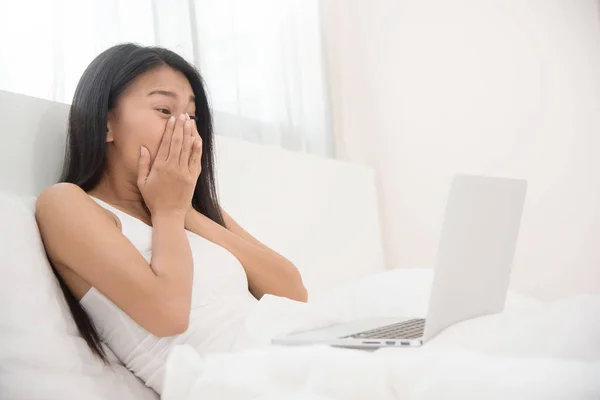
122	192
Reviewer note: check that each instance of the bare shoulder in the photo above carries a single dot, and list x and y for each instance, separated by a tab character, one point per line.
58	194
66	201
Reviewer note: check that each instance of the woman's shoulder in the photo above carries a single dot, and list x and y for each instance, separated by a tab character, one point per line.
61	191
66	201
61	196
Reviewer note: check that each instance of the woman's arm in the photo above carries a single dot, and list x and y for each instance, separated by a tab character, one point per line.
268	272
80	235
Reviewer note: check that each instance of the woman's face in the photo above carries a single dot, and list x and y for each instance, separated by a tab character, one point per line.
142	111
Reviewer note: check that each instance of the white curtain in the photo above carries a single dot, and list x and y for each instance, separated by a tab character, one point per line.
262	59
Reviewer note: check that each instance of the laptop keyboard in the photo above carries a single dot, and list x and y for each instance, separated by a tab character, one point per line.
411	329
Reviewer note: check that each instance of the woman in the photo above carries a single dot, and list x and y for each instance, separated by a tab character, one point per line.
144	254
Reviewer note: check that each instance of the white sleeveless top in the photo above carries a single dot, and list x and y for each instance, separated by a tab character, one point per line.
220	303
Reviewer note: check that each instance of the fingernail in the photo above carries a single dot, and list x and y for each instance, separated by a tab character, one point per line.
182	117
172	119
186	123
142	151
187	116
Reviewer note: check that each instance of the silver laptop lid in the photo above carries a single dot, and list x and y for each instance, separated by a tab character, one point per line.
476	249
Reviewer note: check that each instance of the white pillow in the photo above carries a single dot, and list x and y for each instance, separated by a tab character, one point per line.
42	355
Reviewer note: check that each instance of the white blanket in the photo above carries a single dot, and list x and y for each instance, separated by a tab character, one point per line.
531	351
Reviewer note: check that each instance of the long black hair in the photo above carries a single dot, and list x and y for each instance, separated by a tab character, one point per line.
98	91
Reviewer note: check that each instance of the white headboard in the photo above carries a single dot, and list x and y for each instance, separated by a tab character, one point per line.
32	137
320	213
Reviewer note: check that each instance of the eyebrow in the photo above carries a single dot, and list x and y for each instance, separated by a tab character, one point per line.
168	93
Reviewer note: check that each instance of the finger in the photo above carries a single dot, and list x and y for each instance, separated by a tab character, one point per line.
195	132
177	139
196	157
193	121
165	143
186	147
143	166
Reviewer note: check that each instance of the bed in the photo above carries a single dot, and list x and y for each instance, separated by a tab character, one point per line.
532	350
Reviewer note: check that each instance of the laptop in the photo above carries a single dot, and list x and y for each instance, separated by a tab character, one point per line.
471	274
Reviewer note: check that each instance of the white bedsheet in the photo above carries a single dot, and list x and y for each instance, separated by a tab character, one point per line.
531	351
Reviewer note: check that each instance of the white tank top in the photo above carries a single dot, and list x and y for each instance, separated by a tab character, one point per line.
220	303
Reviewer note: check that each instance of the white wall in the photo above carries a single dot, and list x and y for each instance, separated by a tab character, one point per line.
425	89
